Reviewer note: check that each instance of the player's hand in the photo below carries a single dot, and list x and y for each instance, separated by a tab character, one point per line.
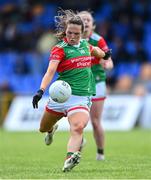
37	97
107	54
107	64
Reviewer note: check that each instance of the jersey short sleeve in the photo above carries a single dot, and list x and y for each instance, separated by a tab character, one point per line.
102	44
57	54
91	48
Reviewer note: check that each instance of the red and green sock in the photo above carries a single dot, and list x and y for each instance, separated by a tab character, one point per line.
69	154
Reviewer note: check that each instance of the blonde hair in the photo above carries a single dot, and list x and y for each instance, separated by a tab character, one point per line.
88	13
64	18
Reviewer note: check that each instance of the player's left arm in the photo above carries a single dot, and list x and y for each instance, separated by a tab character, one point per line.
108	63
100	54
97	52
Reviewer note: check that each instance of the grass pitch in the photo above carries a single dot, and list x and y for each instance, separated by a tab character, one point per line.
23	155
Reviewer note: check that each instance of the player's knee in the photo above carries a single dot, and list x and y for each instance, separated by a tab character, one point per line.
78	128
95	123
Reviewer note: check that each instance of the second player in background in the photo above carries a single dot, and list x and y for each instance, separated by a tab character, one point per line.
100	79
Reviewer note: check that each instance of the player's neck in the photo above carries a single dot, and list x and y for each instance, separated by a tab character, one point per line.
86	35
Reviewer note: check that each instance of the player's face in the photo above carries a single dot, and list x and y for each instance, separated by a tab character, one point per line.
73	33
88	22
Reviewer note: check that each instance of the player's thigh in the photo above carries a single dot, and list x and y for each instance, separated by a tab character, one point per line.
49	119
78	120
96	109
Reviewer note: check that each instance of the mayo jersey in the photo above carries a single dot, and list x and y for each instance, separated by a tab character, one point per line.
98	71
75	66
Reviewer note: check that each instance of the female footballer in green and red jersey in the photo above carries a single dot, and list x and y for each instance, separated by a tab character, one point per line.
100	78
71	58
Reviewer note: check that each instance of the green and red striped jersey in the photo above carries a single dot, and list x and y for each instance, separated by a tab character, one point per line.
75	66
98	71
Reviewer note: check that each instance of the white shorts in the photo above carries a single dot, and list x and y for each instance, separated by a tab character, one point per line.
100	91
74	104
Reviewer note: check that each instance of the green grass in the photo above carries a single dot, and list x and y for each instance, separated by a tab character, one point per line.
25	156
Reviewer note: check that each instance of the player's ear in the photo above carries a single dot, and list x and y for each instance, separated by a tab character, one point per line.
94	24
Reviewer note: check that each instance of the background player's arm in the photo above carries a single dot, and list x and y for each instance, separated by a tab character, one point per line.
107	64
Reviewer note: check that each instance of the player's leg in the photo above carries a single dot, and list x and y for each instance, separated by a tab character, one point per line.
98	132
78	122
48	125
96	113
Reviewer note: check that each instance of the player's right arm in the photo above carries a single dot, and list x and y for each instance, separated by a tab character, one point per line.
56	56
52	67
